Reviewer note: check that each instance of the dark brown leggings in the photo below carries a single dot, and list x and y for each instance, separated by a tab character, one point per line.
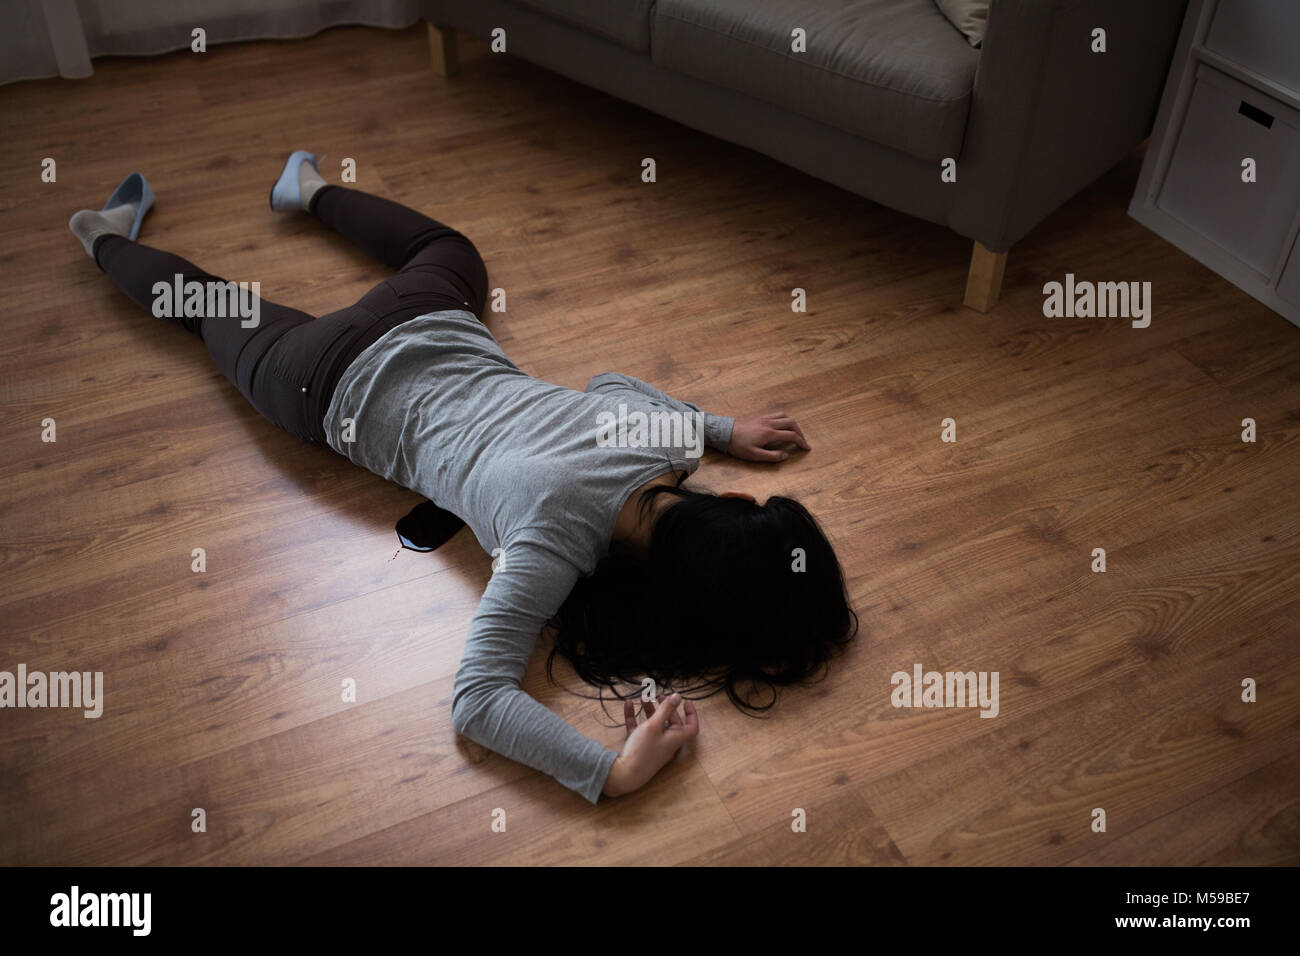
288	365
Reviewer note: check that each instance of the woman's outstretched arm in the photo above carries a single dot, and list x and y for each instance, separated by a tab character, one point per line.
488	706
767	437
717	428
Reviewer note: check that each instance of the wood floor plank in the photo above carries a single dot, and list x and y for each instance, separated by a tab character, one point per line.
1253	821
1054	769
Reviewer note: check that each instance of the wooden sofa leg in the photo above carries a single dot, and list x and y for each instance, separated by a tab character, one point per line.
984	281
443	53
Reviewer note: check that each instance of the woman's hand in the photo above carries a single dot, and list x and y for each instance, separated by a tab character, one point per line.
652	744
766	438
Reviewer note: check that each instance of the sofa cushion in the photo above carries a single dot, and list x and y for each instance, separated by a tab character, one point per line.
892	71
971	17
626	22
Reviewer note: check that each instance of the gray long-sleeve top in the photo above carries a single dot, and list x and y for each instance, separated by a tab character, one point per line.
539	473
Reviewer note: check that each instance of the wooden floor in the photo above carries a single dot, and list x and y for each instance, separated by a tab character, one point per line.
1119	691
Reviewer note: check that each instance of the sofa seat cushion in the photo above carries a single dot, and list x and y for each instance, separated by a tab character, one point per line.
626	22
892	71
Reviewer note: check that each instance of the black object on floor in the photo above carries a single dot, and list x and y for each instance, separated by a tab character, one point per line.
427	527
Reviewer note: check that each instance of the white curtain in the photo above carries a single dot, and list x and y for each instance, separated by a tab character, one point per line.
42	38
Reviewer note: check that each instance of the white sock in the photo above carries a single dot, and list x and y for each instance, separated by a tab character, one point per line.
89	224
308	182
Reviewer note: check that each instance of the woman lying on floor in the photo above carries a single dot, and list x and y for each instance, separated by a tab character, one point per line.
642	576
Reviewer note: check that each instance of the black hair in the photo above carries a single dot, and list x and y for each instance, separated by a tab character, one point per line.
732	595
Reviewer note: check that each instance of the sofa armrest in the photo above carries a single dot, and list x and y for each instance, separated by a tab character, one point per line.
1048	115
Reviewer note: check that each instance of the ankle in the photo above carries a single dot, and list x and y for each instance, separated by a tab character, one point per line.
314	200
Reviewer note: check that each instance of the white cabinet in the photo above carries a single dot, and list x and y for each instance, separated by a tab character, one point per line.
1262	36
1221	177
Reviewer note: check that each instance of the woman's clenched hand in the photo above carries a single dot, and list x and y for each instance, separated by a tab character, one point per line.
652	744
766	437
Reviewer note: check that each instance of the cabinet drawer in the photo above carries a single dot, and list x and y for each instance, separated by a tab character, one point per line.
1261	35
1225	123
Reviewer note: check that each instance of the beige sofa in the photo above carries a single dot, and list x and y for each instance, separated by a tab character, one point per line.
885	92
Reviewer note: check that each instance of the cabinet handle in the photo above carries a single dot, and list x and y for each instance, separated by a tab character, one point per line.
1255	113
